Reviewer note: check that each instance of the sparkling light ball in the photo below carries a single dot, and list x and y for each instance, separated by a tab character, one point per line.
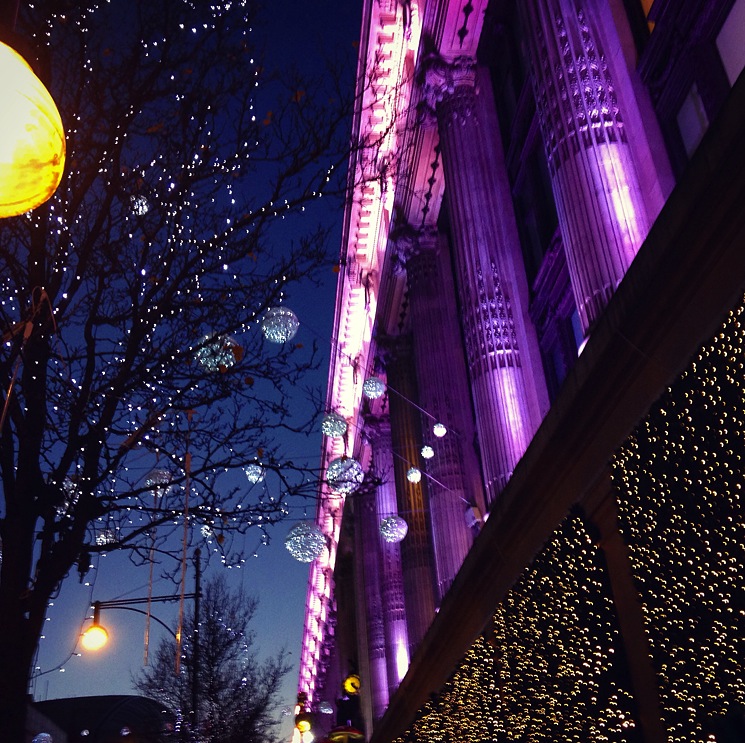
413	474
373	388
217	353
279	325
344	475
254	473
333	425
439	430
159	481
427	452
140	205
393	529
305	542
105	537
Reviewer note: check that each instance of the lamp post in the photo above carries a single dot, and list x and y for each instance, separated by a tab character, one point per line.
96	636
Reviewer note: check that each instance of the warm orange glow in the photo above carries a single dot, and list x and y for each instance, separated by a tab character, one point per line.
94	638
32	139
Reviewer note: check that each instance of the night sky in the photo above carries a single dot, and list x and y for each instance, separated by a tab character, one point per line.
294	33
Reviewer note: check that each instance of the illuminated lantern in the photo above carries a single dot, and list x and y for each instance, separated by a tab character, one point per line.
333	425
393	529
32	139
279	325
344	475
305	542
373	388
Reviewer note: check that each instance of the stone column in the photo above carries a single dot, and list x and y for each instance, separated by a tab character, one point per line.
392	608
370	585
413	506
490	273
453	480
602	216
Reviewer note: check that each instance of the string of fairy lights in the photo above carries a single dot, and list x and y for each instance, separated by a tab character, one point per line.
680	477
551	664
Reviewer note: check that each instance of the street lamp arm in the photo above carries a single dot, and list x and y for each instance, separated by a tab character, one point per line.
123	603
108	605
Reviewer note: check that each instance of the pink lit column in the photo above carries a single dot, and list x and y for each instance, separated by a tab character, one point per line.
602	216
453	480
486	250
393	612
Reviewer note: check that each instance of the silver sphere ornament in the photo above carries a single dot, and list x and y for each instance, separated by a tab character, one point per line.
305	542
279	325
105	537
344	475
427	452
373	388
254	473
159	482
333	425
393	529
439	430
218	352
325	708
414	474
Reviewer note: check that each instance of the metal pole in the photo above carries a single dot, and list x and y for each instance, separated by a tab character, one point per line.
195	642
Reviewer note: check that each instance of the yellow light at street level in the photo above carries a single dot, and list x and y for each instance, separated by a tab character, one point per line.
32	139
95	637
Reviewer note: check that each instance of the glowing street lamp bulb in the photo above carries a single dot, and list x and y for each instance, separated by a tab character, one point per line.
414	474
439	430
427	452
95	637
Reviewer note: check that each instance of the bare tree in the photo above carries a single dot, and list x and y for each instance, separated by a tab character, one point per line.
237	694
136	377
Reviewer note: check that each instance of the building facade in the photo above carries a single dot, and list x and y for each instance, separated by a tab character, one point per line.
539	354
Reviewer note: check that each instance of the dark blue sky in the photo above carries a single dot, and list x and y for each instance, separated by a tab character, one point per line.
298	33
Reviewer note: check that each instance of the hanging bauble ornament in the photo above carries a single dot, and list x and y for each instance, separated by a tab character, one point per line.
159	482
427	452
72	493
325	708
373	388
218	352
439	430
279	325
393	529
105	537
305	542
334	425
140	205
254	473
32	138
344	475
413	474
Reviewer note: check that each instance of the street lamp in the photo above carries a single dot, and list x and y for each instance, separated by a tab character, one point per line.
96	636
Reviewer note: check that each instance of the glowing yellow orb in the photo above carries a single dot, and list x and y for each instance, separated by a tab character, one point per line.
32	139
95	637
